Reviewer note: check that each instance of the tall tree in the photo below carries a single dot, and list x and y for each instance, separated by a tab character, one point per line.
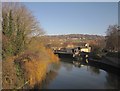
19	27
112	38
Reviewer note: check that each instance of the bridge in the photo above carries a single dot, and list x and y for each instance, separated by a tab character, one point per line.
71	53
75	53
62	52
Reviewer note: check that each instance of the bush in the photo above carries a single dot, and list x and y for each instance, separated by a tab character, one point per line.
113	54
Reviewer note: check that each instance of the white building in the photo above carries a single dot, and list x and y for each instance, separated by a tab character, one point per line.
86	48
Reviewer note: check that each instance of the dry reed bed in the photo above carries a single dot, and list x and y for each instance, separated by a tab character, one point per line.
31	67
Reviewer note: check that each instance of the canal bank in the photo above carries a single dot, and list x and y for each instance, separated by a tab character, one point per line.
105	66
103	62
107	63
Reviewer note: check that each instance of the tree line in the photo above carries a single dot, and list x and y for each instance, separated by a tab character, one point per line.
25	58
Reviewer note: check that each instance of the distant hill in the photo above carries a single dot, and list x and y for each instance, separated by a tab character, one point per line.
76	36
74	39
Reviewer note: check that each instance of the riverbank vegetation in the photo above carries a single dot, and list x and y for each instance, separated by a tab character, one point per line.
113	38
25	58
113	41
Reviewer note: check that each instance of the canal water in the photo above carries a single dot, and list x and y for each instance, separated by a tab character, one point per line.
67	75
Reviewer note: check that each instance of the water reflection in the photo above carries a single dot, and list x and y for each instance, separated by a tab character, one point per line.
67	66
55	67
94	70
112	81
83	76
51	76
80	63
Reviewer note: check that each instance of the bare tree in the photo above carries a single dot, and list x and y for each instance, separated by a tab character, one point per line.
19	27
112	38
